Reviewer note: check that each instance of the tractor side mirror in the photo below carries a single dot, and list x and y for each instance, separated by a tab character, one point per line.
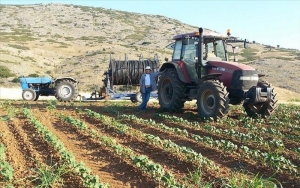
233	48
245	43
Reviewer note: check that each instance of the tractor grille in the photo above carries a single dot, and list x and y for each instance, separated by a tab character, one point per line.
244	79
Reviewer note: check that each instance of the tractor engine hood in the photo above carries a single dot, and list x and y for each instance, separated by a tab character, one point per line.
232	71
34	80
230	65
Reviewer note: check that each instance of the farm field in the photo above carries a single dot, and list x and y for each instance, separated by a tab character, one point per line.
112	144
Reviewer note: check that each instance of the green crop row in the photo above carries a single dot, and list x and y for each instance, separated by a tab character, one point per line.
6	170
273	160
89	179
153	169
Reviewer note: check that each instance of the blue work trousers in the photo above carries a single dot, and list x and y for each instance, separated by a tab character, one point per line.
145	98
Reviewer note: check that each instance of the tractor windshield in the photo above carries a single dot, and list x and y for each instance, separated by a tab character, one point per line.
214	50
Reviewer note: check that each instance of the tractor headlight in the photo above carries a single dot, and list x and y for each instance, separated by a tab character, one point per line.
249	78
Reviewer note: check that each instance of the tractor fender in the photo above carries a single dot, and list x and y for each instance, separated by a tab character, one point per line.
66	78
182	72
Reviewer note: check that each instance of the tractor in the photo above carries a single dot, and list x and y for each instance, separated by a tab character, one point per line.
200	70
64	89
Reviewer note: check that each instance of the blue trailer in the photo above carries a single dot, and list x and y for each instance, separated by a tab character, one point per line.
64	89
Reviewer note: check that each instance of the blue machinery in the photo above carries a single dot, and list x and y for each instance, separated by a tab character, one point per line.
124	73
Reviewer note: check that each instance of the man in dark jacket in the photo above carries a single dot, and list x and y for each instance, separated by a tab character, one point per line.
147	85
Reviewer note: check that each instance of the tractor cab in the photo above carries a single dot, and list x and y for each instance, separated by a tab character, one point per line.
185	49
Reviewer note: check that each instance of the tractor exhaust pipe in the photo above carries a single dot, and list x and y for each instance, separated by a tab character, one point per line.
200	52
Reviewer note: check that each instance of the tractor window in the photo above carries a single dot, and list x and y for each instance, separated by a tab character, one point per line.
209	49
189	52
214	50
220	50
177	50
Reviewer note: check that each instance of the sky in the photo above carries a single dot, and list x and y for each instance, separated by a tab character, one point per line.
275	22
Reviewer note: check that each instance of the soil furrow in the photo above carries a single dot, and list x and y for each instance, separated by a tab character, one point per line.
15	156
288	154
104	162
109	168
176	165
30	149
227	161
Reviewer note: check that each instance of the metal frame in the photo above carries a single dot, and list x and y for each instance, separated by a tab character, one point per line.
110	93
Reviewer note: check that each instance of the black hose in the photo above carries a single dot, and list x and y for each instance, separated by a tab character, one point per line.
129	72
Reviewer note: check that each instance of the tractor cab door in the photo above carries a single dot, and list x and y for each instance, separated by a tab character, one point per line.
187	52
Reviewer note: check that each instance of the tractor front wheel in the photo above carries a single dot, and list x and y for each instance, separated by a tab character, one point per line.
66	90
264	109
212	99
29	94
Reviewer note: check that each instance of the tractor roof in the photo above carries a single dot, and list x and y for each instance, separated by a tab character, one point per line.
206	34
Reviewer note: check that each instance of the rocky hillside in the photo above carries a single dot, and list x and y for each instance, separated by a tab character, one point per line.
70	40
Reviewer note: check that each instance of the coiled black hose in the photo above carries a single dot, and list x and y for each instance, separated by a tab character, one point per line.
129	72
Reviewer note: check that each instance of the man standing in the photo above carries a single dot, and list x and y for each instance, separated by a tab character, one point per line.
147	85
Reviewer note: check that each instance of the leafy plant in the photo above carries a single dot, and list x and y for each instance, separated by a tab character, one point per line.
51	104
89	180
11	112
6	170
2	152
49	176
257	182
196	179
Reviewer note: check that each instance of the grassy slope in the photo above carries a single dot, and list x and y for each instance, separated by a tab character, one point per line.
59	49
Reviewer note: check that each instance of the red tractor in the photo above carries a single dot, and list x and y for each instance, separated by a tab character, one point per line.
200	70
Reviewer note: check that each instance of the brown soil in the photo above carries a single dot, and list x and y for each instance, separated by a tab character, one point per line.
26	150
23	142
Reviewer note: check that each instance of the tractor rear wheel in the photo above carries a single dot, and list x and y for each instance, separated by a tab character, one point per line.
29	94
262	109
171	91
212	99
66	90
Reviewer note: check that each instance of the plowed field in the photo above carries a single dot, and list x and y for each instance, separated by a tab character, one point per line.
112	144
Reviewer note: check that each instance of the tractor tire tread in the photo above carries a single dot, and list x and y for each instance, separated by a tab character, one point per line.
268	108
70	83
222	107
178	93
